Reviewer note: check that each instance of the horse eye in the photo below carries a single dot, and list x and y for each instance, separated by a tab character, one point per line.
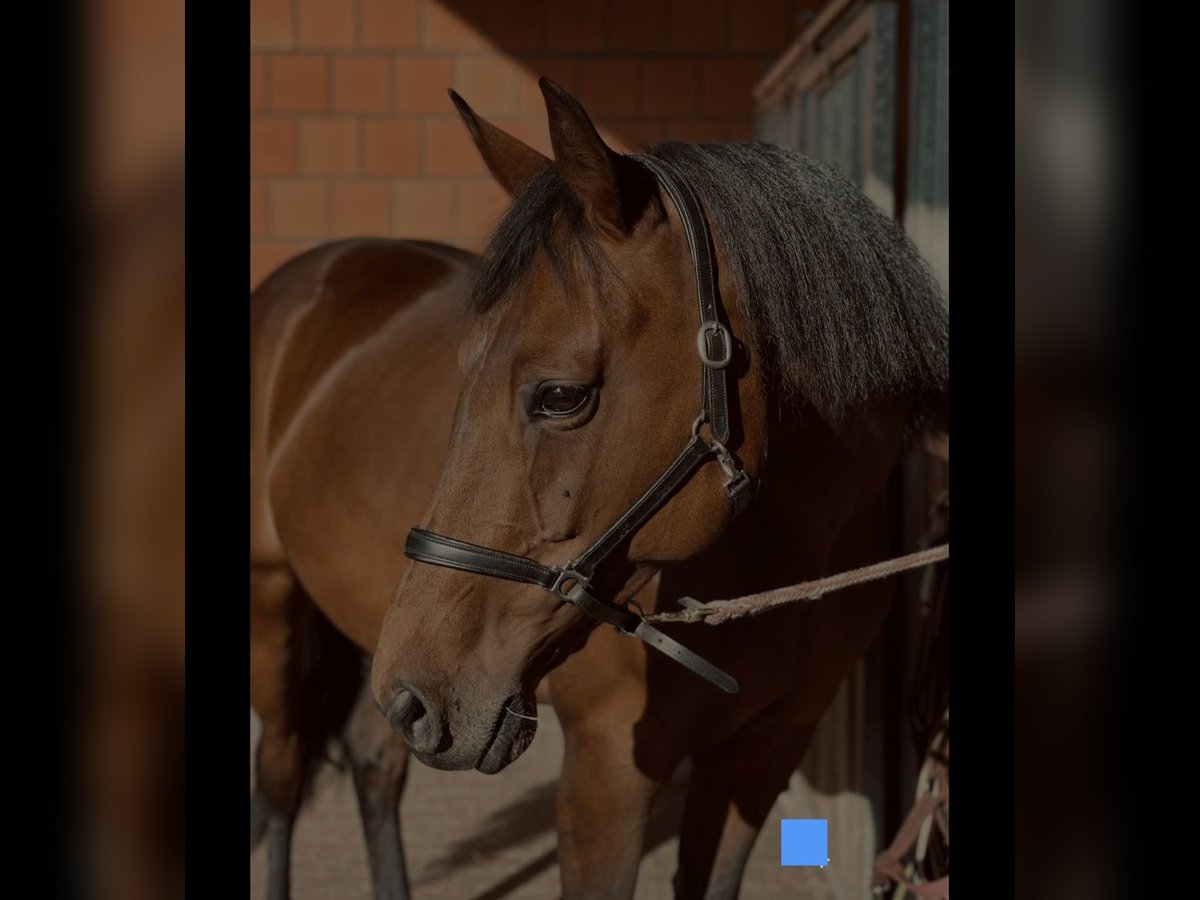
560	400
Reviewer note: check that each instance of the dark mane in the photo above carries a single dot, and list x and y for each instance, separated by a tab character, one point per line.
841	305
546	215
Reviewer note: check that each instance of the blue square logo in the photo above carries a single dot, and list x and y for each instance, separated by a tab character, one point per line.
804	842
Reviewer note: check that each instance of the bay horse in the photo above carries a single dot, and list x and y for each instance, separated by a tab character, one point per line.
518	404
320	584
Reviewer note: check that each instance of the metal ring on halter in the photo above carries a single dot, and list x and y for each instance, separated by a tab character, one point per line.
567	573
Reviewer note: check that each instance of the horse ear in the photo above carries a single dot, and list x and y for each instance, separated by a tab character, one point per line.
512	162
614	189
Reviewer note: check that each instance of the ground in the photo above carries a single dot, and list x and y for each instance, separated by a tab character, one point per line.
470	836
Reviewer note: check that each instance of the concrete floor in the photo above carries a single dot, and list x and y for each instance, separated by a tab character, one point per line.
470	836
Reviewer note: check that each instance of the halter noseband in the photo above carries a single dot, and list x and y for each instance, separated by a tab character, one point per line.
571	581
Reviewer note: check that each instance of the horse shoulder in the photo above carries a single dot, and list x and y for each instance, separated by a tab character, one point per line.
315	324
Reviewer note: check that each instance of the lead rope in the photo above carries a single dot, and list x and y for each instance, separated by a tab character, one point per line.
717	611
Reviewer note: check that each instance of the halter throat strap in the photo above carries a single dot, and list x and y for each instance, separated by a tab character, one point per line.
571	581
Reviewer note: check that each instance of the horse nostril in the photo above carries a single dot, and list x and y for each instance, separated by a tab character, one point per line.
410	717
406	709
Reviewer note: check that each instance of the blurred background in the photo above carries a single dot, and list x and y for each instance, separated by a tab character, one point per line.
1073	467
130	79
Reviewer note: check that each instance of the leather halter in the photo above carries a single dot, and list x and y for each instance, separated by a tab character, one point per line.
571	581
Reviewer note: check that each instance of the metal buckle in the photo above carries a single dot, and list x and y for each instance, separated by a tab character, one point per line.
737	482
566	572
738	489
702	344
725	459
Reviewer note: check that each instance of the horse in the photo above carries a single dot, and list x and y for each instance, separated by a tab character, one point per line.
312	322
516	404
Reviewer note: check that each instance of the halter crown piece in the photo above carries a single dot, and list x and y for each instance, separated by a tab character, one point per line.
571	582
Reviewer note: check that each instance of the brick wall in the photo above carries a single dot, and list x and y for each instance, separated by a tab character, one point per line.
352	132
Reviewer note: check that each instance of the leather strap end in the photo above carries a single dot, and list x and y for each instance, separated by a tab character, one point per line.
686	658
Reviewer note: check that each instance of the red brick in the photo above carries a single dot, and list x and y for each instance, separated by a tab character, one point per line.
299	83
361	84
274	147
258	82
635	134
393	147
515	25
670	86
697	130
423	209
298	208
608	86
699	25
388	24
488	83
575	26
449	149
765	25
564	70
421	84
638	24
452	25
258	207
267	256
478	206
326	24
271	25
362	209
728	83
329	147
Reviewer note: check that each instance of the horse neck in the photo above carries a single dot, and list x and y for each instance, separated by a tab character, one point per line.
817	482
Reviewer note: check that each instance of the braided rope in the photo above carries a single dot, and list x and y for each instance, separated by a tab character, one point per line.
717	611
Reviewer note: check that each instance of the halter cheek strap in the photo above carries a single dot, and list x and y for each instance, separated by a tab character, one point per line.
571	582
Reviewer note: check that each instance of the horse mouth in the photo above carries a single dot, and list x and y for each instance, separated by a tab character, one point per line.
512	734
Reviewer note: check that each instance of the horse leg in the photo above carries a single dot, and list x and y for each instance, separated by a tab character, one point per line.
379	761
280	617
731	791
604	802
260	814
